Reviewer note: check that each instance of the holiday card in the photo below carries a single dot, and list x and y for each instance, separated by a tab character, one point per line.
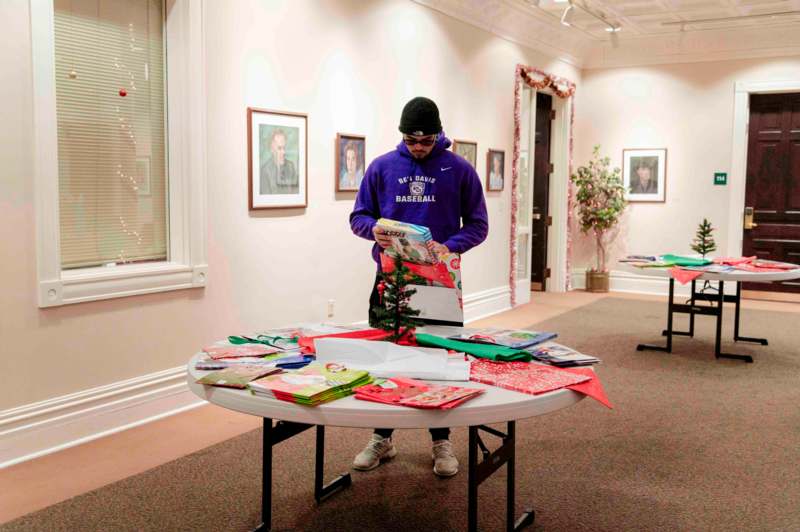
416	394
242	350
222	363
237	376
560	355
314	384
514	338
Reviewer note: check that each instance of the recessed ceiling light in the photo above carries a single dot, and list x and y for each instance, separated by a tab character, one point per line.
614	29
560	1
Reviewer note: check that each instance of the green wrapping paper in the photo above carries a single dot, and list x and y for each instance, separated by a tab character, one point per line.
498	353
678	260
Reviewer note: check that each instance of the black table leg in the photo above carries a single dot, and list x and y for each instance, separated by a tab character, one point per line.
718	340
736	337
669	332
266	478
273	435
491	462
322	492
472	481
691	316
690	332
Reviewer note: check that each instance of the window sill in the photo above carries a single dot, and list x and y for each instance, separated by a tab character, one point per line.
93	284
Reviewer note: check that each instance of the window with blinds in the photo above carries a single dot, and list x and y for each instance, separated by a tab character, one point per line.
112	154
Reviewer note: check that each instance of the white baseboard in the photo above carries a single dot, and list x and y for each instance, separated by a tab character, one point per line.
624	281
37	429
485	303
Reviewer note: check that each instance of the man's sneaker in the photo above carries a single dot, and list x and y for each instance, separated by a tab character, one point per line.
445	464
378	448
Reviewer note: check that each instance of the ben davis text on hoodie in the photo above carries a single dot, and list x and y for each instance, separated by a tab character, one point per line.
439	191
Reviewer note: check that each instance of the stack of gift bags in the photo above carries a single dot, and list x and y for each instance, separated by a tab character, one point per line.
312	385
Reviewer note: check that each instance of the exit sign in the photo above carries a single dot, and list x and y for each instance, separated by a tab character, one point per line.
720	178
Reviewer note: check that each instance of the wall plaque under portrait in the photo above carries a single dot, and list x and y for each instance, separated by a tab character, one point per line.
277	159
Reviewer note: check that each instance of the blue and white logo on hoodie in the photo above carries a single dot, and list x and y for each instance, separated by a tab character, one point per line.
417	189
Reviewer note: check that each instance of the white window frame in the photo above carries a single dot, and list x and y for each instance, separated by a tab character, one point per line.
186	118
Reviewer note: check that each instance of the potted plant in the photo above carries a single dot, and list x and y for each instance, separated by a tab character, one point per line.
601	201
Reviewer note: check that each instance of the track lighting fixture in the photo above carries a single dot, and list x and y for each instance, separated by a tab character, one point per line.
569	12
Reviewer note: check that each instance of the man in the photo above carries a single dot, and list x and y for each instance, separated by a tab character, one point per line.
420	182
278	174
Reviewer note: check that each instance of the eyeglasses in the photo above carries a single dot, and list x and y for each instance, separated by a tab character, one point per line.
424	141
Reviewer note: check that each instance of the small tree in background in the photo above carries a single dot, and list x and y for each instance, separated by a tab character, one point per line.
394	314
704	240
601	200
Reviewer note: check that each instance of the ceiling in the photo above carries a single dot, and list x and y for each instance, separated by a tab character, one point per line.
658	17
652	31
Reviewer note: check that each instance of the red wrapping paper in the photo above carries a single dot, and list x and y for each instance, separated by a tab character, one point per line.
306	343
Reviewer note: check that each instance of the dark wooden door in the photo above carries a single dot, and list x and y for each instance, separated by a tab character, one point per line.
773	183
540	218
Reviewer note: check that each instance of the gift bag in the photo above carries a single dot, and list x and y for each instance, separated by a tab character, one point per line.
438	286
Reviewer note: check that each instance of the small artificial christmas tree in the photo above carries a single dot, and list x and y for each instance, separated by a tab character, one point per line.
394	313
704	241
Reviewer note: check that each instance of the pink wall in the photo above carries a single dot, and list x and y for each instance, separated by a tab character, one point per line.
686	108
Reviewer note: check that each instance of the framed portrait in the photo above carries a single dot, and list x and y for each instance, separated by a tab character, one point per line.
350	161
495	170
644	174
277	159
468	150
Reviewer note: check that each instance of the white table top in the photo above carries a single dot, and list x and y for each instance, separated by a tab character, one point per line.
493	406
737	275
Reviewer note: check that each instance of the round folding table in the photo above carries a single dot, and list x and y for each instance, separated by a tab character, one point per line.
717	301
495	405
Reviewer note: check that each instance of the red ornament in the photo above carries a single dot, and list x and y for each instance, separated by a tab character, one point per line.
123	92
381	288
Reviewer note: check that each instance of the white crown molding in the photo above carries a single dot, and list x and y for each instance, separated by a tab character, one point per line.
511	21
697	47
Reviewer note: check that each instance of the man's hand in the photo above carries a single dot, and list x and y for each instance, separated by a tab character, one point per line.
439	249
381	237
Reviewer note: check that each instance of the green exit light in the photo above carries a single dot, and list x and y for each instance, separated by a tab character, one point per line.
720	178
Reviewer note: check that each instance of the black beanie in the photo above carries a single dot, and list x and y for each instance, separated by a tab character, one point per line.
420	117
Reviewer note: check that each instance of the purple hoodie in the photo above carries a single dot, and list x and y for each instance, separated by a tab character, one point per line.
437	191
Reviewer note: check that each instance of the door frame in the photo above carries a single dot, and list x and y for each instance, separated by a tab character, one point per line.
558	197
741	124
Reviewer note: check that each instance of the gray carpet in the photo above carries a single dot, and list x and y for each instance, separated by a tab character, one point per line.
693	443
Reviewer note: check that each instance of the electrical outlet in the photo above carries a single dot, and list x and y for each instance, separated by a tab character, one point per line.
331	303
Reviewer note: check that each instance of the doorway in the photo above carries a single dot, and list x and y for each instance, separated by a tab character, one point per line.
553	209
771	228
542	168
